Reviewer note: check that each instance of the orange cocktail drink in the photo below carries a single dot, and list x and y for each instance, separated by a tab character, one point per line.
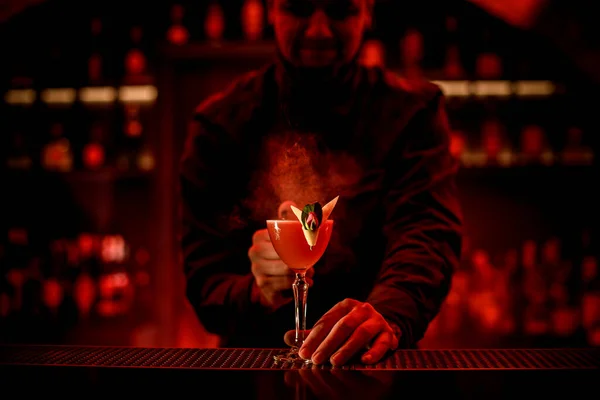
290	243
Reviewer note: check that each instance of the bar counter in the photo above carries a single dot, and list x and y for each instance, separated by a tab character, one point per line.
253	374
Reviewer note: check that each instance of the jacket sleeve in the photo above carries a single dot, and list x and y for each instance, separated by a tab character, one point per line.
213	237
423	225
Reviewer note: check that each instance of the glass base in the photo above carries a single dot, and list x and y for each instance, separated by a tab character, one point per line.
291	356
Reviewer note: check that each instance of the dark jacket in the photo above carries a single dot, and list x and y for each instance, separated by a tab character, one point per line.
378	141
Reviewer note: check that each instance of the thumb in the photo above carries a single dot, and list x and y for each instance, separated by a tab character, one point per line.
290	336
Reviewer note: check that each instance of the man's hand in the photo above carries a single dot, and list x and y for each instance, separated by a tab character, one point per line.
349	328
273	278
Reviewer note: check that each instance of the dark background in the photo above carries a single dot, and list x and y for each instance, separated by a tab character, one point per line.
106	232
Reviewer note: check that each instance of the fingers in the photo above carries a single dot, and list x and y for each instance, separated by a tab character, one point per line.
358	341
271	268
265	261
332	330
288	338
261	235
262	251
347	330
340	309
382	343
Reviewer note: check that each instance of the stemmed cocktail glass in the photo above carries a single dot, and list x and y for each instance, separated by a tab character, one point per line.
300	243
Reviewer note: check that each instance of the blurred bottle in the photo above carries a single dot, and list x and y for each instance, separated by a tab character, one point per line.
85	283
115	293
564	313
214	22
495	143
507	292
575	151
469	148
590	290
453	64
458	144
114	249
534	146
19	155
136	64
139	154
96	63
474	155
253	19
177	33
488	63
485	307
15	262
590	301
89	247
16	278
133	127
132	139
115	286
536	318
145	161
412	53
84	293
94	154
372	53
557	270
57	154
53	291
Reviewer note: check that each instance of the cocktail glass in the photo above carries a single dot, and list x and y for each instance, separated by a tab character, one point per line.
292	247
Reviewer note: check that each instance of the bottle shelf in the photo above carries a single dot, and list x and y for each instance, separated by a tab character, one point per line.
500	88
87	95
91	96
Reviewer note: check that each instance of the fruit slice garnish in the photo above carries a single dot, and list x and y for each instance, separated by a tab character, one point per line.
312	216
328	208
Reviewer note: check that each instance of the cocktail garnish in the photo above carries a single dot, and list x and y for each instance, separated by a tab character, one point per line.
328	208
312	216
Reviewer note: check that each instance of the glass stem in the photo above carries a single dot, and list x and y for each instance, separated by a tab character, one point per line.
300	287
